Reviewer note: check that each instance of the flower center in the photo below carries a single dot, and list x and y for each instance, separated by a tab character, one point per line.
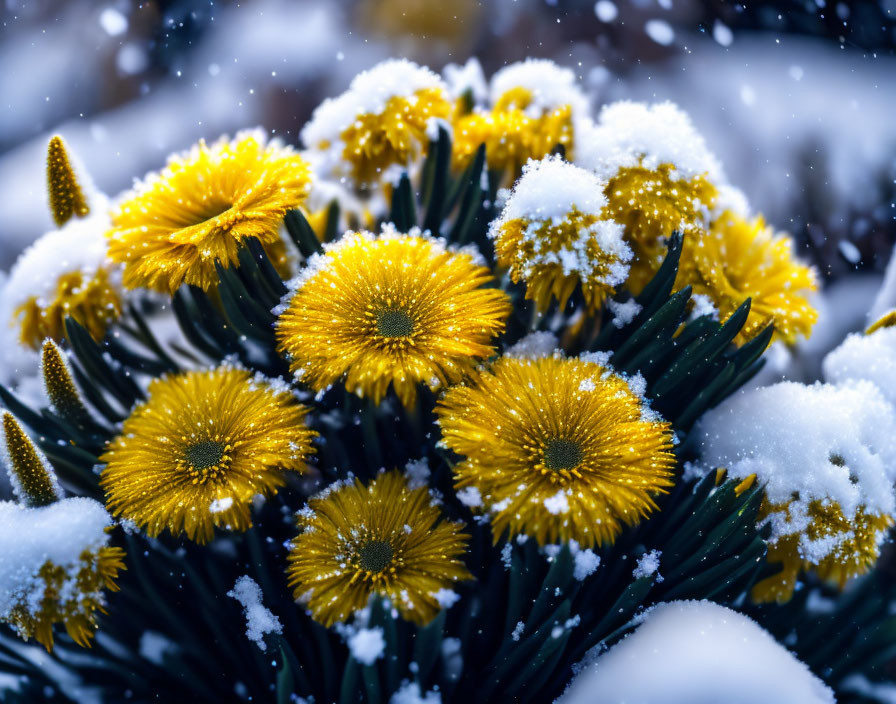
394	323
560	453
205	460
205	454
376	556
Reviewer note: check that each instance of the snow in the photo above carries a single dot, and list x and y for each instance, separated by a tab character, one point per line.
605	10
549	188
417	472
557	503
819	442
410	693
446	598
80	245
259	619
452	658
870	357
58	533
518	630
367	645
623	312
153	646
696	652
660	31
546	194
552	86
585	564
883	692
469	496
533	346
220	505
628	133
113	22
648	564
468	77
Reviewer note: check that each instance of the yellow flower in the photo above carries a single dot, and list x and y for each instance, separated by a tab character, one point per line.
739	259
394	310
385	539
200	448
553	236
652	203
511	137
536	107
94	302
380	121
175	225
71	595
660	177
557	449
856	541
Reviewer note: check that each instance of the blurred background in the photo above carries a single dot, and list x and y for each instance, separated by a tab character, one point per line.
796	98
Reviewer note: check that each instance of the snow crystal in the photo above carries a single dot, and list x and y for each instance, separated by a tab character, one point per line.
695	652
660	31
552	86
648	564
367	645
605	10
446	598
368	92
518	630
113	22
259	619
219	505
557	503
586	562
535	345
59	533
815	442
623	312
628	133
469	496
410	693
417	472
600	358
722	34
506	552
870	357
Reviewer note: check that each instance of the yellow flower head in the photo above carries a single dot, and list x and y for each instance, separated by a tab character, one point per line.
558	449
57	564
822	455
176	225
64	273
398	309
853	545
739	259
384	538
380	121
660	177
536	106
195	453
553	236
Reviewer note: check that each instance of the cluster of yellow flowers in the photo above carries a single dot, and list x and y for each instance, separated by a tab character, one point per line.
555	447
